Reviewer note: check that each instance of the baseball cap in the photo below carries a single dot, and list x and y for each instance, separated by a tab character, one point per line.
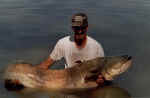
79	19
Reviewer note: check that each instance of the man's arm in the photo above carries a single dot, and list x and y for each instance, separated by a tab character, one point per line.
56	54
100	52
46	63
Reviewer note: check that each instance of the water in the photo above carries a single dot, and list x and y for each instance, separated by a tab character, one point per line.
29	30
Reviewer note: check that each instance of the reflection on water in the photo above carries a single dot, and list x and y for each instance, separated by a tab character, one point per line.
102	92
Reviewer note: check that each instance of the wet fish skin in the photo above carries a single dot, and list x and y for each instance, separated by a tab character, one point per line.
114	67
70	78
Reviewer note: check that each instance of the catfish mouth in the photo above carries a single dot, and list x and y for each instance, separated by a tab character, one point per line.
126	64
13	85
128	60
127	57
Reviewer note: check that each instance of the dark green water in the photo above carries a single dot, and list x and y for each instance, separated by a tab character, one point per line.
29	30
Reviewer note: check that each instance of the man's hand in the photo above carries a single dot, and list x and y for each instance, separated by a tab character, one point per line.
100	80
45	64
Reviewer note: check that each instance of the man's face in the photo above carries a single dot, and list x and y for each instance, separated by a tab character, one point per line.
79	34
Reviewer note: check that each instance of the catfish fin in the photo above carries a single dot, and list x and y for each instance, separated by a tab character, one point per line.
92	75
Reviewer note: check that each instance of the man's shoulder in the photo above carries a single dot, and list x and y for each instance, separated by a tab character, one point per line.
92	40
96	45
64	39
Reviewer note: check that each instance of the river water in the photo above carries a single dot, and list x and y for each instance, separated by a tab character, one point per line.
29	30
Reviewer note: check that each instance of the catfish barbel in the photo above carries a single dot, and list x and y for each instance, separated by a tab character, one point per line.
83	75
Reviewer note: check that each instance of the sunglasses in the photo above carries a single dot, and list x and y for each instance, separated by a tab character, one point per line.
78	28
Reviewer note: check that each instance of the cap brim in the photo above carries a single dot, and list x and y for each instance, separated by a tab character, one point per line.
77	23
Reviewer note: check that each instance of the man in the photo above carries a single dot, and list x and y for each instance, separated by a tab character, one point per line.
76	48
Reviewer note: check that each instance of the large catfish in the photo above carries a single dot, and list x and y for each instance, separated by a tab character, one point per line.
83	75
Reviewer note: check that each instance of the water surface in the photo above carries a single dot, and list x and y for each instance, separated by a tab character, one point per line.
29	30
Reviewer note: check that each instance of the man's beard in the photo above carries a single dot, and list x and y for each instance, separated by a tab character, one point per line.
79	41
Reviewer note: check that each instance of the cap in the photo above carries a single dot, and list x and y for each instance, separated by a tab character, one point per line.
79	19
